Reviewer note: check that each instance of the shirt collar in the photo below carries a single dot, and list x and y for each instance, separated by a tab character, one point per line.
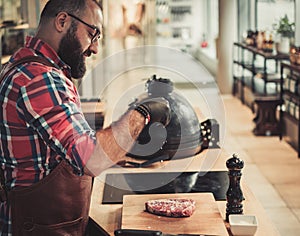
40	47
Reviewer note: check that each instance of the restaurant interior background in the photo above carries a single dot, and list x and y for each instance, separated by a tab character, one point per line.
203	29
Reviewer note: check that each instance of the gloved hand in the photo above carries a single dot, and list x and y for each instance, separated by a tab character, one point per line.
158	108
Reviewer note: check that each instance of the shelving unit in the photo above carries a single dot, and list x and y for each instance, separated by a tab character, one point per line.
255	73
175	25
4	30
289	112
19	18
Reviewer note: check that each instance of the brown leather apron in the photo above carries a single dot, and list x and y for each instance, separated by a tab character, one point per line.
58	205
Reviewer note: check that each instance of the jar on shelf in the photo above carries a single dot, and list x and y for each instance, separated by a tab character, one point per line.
295	55
250	38
260	39
268	45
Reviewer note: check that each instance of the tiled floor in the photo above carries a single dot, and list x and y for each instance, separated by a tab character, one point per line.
272	168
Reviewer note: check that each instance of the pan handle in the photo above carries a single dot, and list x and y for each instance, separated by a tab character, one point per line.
136	232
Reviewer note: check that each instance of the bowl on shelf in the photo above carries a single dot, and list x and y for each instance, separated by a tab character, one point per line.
243	224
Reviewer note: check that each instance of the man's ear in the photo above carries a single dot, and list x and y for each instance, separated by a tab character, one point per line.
62	22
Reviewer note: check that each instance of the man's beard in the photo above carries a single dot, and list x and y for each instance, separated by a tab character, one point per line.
70	51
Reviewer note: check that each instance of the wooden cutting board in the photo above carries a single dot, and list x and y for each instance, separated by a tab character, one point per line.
205	220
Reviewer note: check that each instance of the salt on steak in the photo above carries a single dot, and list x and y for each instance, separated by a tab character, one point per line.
175	207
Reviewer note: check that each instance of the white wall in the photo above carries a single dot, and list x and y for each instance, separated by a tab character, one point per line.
269	13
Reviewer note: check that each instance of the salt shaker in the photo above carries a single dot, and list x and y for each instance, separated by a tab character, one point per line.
234	194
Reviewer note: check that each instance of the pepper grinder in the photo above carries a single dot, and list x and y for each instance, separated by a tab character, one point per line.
234	194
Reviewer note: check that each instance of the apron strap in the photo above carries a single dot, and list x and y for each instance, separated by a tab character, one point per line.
3	190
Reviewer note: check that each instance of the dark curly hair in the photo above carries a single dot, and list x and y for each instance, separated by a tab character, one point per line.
75	7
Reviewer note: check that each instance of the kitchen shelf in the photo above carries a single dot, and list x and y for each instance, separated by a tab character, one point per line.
291	95
4	29
289	112
14	26
255	72
175	24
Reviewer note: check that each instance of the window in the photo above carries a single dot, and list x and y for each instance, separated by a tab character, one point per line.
253	15
276	9
244	18
210	21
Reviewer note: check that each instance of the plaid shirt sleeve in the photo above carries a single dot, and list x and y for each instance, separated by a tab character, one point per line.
49	105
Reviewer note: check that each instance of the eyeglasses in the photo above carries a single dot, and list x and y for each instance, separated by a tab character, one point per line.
96	36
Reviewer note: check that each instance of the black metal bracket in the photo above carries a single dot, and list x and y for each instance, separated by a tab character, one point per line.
210	134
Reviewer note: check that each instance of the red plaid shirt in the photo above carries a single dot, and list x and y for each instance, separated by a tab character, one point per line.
41	122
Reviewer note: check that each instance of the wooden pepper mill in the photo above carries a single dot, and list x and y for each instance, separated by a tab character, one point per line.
234	194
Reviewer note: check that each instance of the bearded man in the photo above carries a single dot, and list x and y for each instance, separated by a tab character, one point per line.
48	152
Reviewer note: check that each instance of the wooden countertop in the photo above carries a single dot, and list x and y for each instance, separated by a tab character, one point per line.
109	215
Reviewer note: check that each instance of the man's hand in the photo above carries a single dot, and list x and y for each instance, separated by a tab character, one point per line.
158	109
116	140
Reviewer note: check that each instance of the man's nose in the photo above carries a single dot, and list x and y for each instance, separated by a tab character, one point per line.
94	47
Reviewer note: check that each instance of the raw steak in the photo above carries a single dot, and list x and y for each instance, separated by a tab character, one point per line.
171	207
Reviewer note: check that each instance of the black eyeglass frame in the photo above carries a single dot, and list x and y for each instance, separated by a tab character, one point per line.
97	34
